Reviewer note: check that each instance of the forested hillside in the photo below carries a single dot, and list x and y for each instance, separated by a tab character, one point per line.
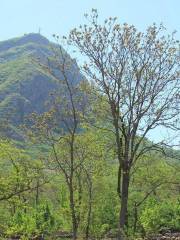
75	159
24	85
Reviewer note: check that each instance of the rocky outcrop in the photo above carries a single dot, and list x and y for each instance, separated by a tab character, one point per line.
165	236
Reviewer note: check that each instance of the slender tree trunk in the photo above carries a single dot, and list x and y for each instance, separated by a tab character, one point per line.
119	182
123	218
89	212
119	146
73	213
37	193
135	217
80	192
71	190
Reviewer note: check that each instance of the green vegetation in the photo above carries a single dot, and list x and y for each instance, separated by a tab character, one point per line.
34	197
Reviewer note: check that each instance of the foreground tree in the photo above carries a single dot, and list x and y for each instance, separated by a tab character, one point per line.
138	74
60	126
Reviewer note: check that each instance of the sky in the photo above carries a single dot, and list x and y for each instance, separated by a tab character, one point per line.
18	17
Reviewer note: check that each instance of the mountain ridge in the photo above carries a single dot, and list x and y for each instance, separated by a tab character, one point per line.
24	85
31	37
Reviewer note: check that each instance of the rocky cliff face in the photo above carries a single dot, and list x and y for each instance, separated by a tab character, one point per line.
24	85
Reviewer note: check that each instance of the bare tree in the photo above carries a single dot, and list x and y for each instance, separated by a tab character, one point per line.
138	73
59	126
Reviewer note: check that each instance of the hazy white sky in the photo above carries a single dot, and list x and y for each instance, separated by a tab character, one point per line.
59	16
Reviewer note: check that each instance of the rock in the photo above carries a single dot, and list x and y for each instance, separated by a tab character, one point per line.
63	234
165	236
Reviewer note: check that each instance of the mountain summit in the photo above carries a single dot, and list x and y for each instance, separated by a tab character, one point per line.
27	38
24	85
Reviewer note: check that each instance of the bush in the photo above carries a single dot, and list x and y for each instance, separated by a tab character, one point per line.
31	223
159	216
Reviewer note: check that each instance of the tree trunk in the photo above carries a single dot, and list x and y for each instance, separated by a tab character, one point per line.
135	217
89	212
119	182
73	213
37	193
123	219
78	206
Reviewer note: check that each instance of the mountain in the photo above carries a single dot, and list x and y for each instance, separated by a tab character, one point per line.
24	85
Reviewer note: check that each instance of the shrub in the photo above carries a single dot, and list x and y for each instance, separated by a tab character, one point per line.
159	216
